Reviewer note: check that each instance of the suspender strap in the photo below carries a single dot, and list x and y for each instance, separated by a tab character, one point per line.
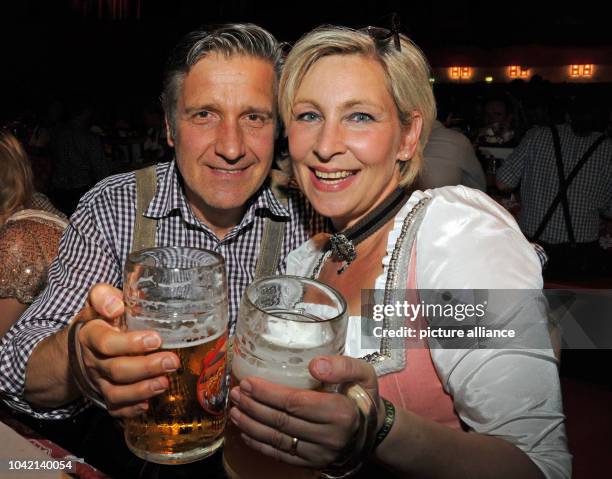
562	185
274	229
566	183
144	228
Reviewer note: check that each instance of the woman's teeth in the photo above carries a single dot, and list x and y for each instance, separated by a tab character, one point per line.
332	176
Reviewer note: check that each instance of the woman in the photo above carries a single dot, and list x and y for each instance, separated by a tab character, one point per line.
358	109
30	230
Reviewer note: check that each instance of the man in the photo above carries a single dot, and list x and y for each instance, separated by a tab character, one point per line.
498	118
449	159
220	105
570	232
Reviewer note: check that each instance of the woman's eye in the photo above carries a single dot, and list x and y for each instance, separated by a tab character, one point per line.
307	116
361	117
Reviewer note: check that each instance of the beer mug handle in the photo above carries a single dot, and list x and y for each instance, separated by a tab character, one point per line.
365	436
75	355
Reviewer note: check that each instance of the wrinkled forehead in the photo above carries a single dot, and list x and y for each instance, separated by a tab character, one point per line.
236	78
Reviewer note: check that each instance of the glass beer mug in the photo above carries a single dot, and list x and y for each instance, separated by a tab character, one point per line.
182	294
284	322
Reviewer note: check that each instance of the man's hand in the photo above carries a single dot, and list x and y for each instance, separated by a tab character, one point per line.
122	365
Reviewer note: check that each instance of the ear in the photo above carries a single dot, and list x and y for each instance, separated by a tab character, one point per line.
169	135
410	137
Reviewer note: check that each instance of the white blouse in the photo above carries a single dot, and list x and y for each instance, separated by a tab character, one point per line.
467	241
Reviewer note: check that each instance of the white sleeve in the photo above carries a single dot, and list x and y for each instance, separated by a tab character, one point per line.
467	241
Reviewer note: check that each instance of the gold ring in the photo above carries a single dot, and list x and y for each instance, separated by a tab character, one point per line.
294	445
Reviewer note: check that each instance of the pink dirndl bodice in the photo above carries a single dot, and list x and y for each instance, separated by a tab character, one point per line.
417	387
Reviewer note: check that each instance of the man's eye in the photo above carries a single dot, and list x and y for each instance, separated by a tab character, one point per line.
307	116
202	115
361	117
254	119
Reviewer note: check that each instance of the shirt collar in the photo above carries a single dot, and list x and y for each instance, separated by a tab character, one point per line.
170	197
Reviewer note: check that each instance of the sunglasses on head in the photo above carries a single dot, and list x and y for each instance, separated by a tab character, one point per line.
383	35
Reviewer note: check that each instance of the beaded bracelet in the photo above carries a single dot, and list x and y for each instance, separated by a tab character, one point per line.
387	424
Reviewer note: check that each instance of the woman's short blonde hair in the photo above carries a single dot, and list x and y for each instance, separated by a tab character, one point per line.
16	184
407	73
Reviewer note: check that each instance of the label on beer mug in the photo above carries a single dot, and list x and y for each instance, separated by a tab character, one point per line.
212	380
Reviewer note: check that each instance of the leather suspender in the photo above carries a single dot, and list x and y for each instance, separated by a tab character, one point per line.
274	229
564	183
144	228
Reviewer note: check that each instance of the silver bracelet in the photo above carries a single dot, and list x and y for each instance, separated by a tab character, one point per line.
75	356
365	436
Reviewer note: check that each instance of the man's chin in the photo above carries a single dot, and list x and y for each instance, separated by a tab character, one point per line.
229	203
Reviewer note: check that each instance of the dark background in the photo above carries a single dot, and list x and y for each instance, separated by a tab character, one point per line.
67	48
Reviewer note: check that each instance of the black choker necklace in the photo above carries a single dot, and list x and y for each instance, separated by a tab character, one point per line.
343	244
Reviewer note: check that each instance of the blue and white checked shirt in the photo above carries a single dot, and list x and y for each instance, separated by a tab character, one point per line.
533	165
97	241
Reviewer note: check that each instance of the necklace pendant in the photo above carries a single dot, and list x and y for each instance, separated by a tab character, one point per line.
344	249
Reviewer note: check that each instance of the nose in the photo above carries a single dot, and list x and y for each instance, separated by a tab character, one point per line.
330	141
229	144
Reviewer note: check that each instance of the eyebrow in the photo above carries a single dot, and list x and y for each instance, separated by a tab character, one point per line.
216	109
209	107
261	111
345	105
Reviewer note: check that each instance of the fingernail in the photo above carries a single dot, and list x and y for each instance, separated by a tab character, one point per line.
113	305
152	341
235	395
245	386
323	367
235	415
169	364
143	406
158	386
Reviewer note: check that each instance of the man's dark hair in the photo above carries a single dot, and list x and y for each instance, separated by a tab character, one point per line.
503	99
586	115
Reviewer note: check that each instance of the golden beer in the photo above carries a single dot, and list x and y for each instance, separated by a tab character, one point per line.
283	323
186	422
181	293
242	462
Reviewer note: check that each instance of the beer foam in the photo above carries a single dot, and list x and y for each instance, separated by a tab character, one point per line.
277	372
307	334
168	344
296	335
181	330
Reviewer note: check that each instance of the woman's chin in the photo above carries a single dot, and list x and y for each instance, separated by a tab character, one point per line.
330	210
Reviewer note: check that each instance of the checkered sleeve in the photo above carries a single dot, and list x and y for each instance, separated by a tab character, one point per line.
84	259
606	211
511	170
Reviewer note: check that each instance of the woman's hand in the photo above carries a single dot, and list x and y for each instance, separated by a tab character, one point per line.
270	416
